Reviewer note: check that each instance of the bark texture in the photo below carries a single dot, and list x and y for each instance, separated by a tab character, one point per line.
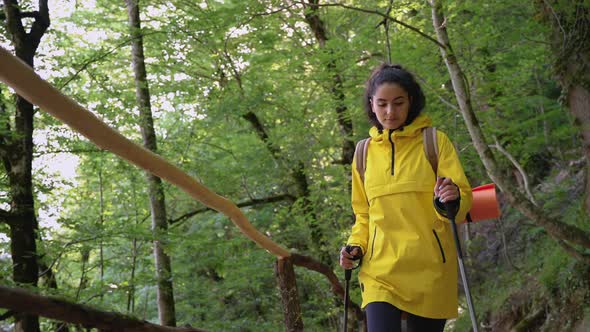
16	151
165	290
287	281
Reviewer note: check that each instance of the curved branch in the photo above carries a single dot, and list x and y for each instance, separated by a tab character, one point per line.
28	84
311	264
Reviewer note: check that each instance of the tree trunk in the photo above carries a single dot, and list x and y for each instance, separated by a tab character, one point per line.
165	293
342	114
287	281
578	100
17	154
317	26
570	27
555	228
101	227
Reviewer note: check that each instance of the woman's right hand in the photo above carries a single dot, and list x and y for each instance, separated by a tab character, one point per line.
347	258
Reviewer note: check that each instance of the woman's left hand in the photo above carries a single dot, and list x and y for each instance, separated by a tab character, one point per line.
446	190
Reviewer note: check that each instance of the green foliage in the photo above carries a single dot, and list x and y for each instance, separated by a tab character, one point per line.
210	64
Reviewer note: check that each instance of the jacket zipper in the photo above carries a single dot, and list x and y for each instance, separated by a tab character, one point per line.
392	151
442	252
373	243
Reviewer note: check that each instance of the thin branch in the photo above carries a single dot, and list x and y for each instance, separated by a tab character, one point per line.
74	151
440	97
367	57
557	20
65	246
516	164
385	23
267	13
542	42
363	10
253	202
504	245
573	252
375	12
102	56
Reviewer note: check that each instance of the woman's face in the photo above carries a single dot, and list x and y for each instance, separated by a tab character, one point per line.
391	105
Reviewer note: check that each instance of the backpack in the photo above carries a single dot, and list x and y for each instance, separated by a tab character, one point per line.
430	148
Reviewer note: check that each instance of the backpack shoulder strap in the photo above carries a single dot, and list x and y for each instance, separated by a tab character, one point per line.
431	147
360	155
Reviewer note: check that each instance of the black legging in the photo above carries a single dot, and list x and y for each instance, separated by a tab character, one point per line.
384	317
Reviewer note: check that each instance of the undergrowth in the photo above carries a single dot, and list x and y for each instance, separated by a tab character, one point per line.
528	283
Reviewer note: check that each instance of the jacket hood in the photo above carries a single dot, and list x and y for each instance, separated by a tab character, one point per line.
413	129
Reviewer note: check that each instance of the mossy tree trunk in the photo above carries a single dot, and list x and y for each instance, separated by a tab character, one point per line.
570	43
565	234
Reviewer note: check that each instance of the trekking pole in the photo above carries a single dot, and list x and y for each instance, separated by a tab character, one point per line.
347	277
452	207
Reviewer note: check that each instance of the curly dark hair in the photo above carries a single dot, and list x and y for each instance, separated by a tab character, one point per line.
394	73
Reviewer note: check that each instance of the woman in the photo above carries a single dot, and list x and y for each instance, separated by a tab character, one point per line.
409	260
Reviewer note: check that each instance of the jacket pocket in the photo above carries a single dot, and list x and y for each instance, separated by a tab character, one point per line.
373	242
442	252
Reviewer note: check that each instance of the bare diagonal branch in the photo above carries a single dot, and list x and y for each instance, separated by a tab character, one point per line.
253	202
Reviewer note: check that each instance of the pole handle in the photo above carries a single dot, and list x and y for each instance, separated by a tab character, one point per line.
452	208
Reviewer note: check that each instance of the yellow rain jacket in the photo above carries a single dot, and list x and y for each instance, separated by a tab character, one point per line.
409	255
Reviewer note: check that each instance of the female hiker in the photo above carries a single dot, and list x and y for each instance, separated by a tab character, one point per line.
409	262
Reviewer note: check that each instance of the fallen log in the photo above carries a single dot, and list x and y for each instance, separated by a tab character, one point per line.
20	300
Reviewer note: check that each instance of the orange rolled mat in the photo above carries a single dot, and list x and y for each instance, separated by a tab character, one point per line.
485	204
